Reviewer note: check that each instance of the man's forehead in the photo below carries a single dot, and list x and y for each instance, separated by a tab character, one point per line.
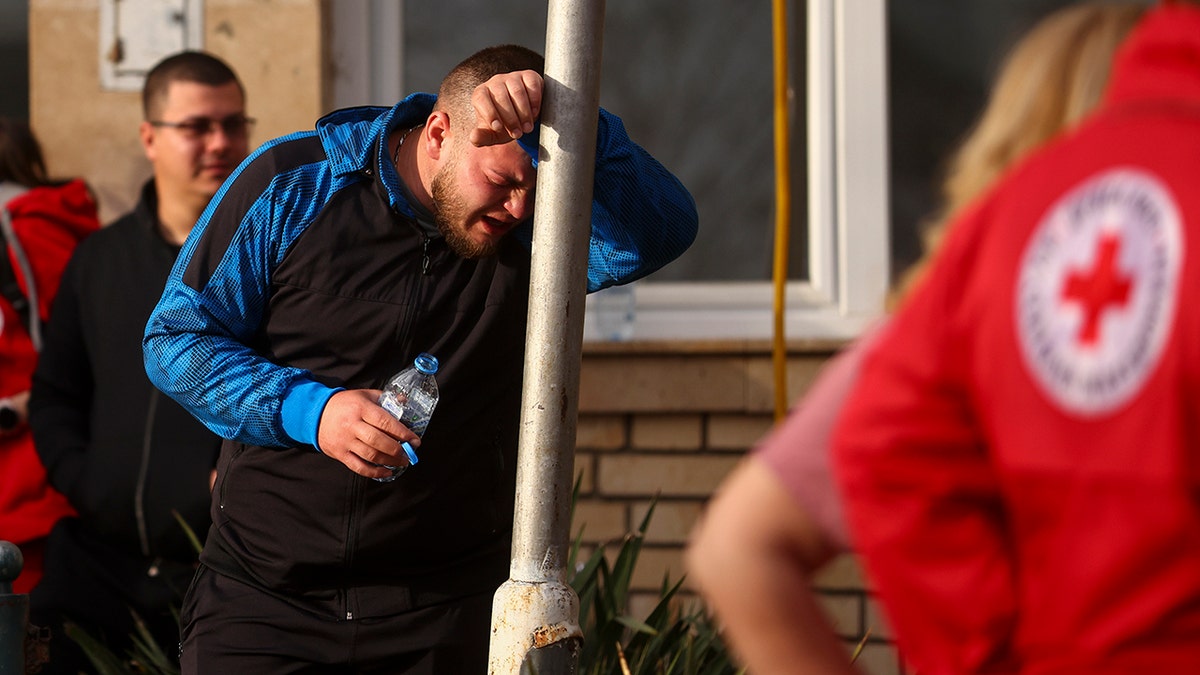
187	94
510	160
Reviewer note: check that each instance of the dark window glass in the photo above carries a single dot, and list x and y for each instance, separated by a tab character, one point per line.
942	56
14	55
693	84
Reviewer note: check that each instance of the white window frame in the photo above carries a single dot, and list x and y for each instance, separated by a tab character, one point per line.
848	207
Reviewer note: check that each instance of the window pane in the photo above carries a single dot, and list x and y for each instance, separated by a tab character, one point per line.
942	57
14	54
693	84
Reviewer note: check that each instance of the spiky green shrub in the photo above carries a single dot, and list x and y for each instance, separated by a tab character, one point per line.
670	641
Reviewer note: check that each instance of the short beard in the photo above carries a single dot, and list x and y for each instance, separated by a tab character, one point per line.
450	214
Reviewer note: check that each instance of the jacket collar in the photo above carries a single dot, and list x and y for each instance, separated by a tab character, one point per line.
146	209
351	136
354	138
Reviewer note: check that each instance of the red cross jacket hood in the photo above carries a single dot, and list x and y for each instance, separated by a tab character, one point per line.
48	222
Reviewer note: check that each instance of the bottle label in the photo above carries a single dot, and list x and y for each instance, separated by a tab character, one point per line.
421	401
390	403
413	410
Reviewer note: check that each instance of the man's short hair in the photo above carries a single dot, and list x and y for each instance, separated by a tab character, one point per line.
454	94
189	66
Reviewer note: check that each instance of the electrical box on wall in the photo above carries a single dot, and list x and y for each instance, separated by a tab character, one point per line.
136	34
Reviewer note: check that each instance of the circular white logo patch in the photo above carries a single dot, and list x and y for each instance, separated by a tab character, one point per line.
1097	289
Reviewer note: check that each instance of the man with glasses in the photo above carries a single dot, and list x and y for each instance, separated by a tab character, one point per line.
130	460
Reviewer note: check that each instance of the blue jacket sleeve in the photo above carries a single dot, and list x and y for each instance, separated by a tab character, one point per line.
195	345
642	216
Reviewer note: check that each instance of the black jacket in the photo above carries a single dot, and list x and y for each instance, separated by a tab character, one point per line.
125	455
353	305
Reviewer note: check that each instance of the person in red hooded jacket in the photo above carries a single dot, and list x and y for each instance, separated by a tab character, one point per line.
42	222
1020	458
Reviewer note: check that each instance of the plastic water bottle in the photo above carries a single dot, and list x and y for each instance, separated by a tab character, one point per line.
410	396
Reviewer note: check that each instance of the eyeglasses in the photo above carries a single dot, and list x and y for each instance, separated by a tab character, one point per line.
234	126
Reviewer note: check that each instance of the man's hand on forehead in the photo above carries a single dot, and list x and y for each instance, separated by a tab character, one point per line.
506	107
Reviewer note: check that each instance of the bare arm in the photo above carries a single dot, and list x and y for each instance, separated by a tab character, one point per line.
752	558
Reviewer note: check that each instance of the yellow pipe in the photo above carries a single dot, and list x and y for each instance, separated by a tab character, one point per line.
783	203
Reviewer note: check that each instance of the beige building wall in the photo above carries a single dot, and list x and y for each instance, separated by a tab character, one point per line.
277	48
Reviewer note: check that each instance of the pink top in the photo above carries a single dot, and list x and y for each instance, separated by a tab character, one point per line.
797	450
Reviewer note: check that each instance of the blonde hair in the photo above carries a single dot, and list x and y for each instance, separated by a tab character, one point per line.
1054	77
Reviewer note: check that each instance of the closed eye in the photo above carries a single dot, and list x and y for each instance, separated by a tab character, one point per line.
504	182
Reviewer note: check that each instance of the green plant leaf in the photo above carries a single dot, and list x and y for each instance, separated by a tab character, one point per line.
103	659
187	530
861	645
147	654
635	625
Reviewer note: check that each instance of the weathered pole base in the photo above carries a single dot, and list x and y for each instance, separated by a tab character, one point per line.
535	629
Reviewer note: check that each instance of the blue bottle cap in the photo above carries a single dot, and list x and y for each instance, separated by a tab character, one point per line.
408	450
426	363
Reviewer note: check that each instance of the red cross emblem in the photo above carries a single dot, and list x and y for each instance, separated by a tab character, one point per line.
1098	289
1090	330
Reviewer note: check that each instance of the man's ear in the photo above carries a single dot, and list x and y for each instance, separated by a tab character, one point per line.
437	133
146	135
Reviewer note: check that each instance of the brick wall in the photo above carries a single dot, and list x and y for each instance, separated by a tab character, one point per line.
663	423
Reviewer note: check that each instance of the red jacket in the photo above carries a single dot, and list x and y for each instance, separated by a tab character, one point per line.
1021	458
48	222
